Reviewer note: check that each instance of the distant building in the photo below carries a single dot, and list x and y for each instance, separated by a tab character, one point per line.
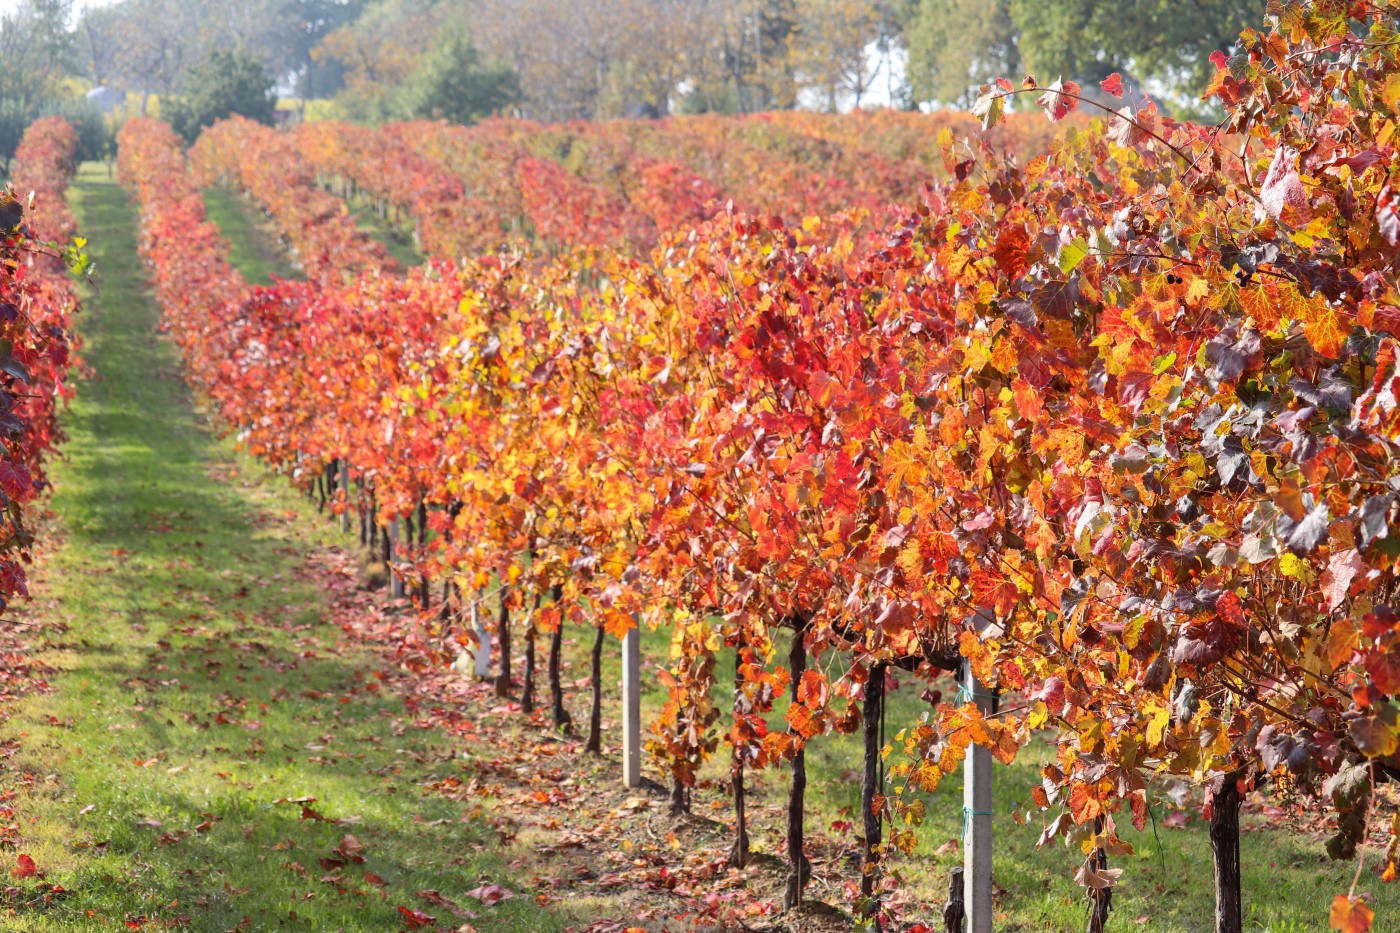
106	99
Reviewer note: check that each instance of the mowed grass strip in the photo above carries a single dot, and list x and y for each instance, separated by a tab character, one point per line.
253	246
198	687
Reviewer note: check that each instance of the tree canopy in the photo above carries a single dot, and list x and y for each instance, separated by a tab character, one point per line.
957	45
454	84
226	83
555	60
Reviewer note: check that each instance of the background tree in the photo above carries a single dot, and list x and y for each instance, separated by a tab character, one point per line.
1087	41
154	42
96	42
955	46
744	64
313	21
592	59
831	53
454	84
380	51
35	47
567	55
227	83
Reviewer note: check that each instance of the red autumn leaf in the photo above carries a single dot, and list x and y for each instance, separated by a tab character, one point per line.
415	918
372	878
24	867
812	690
1012	246
1060	99
1113	84
800	718
1029	404
993	591
1382	664
1083	805
15	479
1218	59
1342	568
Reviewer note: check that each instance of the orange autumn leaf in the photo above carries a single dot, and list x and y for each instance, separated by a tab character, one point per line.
993	591
1350	915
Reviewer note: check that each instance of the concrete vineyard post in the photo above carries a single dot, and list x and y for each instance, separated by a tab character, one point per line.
632	708
977	818
395	581
345	495
483	642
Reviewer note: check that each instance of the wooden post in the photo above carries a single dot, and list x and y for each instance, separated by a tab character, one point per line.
953	910
977	819
1100	899
345	495
1225	800
483	640
799	866
632	707
872	781
395	581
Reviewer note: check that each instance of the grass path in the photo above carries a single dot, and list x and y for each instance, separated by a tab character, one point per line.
199	693
252	242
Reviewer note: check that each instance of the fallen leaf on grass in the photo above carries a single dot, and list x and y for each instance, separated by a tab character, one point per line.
24	867
490	894
415	918
434	897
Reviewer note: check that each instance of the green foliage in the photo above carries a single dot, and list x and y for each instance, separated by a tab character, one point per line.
1087	40
95	140
14	117
34	49
957	45
455	84
226	83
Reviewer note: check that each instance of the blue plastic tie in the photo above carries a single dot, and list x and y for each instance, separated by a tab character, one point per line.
968	814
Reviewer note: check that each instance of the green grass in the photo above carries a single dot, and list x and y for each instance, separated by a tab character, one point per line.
253	246
196	684
396	239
